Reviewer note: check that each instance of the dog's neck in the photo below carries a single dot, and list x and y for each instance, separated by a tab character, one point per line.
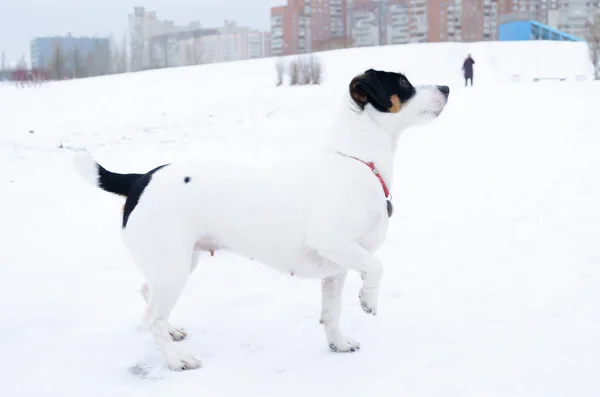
363	134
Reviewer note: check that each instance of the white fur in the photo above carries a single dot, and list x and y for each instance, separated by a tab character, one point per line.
318	217
86	167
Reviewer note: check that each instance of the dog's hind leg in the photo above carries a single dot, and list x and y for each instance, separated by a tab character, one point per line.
177	334
164	291
331	309
166	266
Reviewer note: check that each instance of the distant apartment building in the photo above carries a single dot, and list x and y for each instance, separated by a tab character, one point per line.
157	44
365	24
312	25
328	19
463	20
303	26
479	20
570	16
388	22
291	29
396	22
91	53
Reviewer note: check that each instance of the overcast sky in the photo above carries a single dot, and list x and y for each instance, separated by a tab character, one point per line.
22	20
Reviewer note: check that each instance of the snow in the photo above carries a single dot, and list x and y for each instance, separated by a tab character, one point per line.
491	272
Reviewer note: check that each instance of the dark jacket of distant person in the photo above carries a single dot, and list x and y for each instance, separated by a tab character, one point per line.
468	67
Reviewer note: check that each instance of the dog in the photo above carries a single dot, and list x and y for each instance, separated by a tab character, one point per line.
318	216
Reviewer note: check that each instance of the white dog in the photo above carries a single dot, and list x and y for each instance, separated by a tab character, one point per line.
318	216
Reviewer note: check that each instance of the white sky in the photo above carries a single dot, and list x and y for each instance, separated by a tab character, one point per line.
22	20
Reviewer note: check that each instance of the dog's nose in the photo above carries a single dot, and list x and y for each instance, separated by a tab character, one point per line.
444	89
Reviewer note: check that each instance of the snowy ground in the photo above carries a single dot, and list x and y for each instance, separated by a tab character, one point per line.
491	262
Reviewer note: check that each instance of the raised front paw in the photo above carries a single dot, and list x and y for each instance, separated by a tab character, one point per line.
368	300
344	346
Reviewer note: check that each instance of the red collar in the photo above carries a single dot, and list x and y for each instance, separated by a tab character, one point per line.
371	165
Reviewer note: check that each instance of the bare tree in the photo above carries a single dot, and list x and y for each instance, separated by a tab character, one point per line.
22	62
195	56
78	67
99	60
124	56
316	69
89	64
294	72
280	69
198	50
592	33
58	63
3	65
114	54
304	63
189	58
118	55
152	62
165	47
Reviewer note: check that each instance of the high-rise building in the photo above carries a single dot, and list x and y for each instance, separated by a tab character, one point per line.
144	28
366	24
291	29
396	22
91	54
463	20
381	22
569	16
303	26
157	44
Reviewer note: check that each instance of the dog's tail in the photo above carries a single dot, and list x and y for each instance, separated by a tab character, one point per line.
99	176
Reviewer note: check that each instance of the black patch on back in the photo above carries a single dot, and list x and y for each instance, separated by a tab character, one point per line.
136	192
187	179
116	183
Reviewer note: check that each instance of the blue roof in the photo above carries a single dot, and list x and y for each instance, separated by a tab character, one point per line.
554	31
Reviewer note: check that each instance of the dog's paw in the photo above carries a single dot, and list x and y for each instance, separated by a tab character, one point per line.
184	363
345	346
177	334
368	301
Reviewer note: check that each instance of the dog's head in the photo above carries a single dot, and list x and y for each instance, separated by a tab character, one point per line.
392	94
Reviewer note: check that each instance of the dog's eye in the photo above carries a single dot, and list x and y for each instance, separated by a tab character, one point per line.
404	83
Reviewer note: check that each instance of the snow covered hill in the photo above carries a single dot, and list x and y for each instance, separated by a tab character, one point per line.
491	263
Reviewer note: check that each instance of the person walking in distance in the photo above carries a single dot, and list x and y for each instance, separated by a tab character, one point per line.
468	69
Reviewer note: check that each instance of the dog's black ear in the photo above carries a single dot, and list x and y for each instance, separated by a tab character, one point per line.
367	88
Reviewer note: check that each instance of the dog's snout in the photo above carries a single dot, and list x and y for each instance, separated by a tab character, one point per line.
444	89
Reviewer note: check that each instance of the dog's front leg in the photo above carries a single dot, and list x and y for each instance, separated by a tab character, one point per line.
358	258
331	309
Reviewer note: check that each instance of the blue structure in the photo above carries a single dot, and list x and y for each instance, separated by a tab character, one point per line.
531	30
43	51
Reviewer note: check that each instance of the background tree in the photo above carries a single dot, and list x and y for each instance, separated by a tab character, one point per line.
118	55
99	60
198	49
124	58
22	62
58	63
592	35
77	64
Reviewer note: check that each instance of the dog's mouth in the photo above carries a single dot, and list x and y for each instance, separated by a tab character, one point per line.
432	113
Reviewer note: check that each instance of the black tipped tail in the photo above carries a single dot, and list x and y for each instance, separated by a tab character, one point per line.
99	176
